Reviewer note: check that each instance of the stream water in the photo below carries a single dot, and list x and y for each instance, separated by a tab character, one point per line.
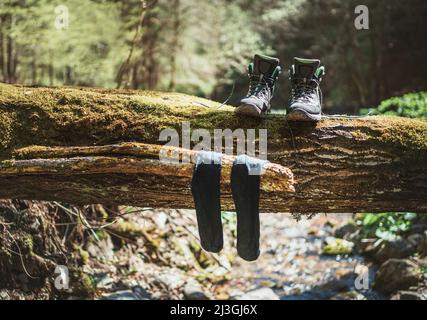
292	263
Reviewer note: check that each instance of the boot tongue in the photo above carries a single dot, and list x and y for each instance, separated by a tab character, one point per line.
305	68
264	65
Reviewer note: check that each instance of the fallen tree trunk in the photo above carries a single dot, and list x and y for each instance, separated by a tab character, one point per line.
101	146
128	173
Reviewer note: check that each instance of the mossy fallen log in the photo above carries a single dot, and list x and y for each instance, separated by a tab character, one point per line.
101	146
128	173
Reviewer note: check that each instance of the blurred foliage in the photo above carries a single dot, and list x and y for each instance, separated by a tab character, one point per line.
412	105
178	45
203	47
36	52
386	225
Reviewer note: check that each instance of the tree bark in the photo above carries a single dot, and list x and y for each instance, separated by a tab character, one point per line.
128	173
101	146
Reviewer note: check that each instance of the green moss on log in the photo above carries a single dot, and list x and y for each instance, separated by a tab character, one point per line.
80	116
72	116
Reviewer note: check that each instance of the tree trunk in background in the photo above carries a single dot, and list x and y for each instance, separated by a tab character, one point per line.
2	59
9	50
12	55
149	44
51	68
34	70
174	43
149	64
70	145
128	71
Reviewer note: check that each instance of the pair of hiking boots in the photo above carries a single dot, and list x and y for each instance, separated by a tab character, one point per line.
306	97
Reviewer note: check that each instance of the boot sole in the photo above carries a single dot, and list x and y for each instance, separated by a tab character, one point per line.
249	110
300	115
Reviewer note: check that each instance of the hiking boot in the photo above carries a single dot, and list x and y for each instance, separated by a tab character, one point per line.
263	73
306	96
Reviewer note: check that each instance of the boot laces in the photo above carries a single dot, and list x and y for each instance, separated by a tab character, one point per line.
304	90
253	82
264	88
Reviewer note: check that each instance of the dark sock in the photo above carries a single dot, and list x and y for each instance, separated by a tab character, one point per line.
245	184
205	187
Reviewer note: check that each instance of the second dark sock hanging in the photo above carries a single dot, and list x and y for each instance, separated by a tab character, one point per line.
245	185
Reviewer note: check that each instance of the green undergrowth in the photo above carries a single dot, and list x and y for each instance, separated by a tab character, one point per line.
412	105
387	225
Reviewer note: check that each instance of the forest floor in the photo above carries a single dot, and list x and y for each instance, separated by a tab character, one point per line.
141	253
